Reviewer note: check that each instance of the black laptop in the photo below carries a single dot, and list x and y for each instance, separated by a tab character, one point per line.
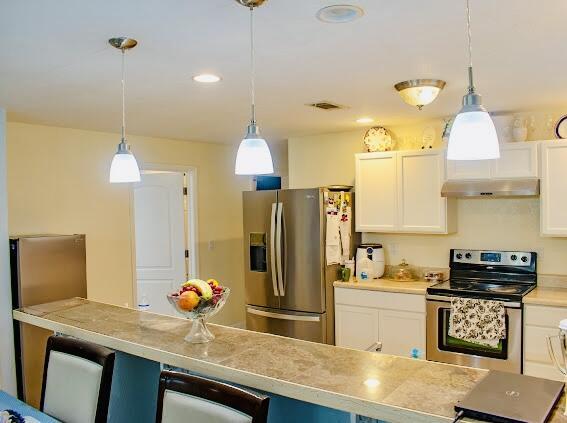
511	398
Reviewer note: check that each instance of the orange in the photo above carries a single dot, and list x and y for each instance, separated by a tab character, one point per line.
188	300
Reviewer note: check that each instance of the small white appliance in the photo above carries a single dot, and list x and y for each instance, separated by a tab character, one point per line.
375	253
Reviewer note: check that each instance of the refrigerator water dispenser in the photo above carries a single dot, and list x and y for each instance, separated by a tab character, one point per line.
258	259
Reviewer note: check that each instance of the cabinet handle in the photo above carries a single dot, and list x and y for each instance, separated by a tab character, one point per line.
375	347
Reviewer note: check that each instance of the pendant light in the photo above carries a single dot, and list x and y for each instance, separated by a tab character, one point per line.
124	167
253	157
473	135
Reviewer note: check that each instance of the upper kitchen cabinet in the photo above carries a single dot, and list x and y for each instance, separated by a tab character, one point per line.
401	192
517	160
376	196
553	196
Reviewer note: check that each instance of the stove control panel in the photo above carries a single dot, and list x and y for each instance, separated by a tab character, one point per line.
495	258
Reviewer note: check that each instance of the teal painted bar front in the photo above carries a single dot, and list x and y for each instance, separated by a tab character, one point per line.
134	397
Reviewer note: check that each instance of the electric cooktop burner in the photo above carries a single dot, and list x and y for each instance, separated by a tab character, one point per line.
497	275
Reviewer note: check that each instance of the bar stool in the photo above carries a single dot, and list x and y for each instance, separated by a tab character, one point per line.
77	377
186	398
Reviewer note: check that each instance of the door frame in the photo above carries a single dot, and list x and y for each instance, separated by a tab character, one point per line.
192	219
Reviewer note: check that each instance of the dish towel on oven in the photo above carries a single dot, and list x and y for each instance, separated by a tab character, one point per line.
478	321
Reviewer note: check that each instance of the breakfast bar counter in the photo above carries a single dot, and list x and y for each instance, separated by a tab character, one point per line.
303	373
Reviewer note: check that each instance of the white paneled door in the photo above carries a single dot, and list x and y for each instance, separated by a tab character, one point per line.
160	238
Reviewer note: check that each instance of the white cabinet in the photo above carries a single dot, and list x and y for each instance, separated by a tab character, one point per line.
356	327
376	198
391	323
539	323
517	160
553	197
401	192
401	331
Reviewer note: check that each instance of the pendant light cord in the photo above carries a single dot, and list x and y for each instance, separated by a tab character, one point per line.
469	37
252	68
123	97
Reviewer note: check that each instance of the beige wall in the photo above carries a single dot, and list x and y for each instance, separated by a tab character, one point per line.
58	183
496	224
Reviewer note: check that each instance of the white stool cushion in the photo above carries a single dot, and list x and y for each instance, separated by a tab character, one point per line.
183	408
71	389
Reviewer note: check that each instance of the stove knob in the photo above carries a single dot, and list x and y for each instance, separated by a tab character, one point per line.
459	256
514	257
468	255
524	259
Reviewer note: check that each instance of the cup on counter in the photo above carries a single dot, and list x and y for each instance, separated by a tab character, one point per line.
345	274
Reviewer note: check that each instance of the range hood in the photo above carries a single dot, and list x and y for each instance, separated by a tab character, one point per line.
492	188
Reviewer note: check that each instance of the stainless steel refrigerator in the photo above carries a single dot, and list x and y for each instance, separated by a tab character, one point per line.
44	268
289	287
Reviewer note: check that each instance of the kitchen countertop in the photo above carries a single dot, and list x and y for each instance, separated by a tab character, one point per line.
547	296
404	389
387	285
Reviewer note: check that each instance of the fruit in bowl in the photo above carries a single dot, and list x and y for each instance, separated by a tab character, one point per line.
197	300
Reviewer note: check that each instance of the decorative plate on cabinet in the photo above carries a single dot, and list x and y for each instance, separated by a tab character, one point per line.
561	127
378	139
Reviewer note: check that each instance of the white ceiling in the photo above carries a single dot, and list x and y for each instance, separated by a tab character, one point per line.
57	69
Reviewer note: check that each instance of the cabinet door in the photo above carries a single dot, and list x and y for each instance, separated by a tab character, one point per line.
516	161
376	199
553	198
401	332
356	327
420	205
468	169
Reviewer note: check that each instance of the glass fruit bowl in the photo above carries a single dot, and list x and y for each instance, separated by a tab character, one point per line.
205	308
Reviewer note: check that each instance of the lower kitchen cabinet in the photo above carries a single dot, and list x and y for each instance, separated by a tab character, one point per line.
392	323
539	323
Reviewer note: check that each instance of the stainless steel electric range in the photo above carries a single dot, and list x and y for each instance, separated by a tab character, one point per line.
504	276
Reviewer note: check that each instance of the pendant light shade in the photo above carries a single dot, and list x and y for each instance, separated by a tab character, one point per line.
253	156
473	135
124	167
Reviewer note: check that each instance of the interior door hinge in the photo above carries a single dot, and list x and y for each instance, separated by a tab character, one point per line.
186	253
184	190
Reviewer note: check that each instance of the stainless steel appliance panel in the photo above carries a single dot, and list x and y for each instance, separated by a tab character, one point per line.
307	326
436	327
259	214
44	269
302	284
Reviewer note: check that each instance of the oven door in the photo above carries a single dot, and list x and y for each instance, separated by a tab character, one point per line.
446	349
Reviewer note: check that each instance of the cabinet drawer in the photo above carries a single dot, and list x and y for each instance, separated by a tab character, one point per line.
535	343
544	316
382	300
546	371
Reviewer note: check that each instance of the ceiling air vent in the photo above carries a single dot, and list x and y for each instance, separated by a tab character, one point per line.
326	105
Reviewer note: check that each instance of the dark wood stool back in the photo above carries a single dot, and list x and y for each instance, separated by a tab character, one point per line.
253	405
88	351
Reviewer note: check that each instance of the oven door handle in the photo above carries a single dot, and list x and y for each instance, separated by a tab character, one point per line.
445	299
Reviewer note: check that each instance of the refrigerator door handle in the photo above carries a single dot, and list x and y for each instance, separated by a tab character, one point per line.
279	262
273	249
283	316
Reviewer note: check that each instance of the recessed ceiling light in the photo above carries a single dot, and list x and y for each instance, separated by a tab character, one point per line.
339	13
372	383
364	120
206	78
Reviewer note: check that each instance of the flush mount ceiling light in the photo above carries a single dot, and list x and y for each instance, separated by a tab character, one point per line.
339	13
473	135
364	120
124	167
419	92
253	156
206	78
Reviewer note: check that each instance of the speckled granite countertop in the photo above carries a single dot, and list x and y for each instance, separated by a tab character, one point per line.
547	296
403	389
387	285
